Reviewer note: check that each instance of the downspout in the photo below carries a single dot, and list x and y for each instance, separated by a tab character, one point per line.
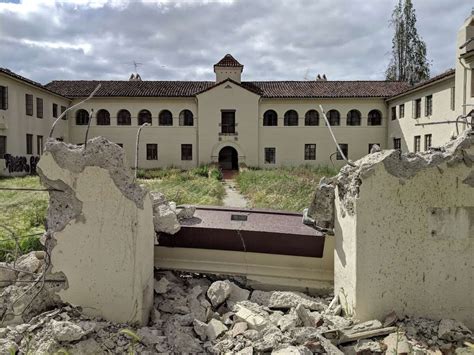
464	88
258	132
197	131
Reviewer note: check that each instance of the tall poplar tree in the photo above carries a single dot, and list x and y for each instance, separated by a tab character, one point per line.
408	61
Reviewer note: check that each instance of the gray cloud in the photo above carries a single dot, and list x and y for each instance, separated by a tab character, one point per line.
182	40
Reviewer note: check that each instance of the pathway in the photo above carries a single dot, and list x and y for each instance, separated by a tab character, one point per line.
233	198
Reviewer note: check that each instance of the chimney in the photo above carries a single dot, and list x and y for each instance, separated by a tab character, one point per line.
324	77
132	77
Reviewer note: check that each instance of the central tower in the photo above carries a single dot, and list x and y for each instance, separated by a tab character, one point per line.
228	68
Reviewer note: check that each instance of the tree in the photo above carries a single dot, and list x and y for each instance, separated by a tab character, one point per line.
408	61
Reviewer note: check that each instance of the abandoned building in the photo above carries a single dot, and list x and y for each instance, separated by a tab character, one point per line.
232	122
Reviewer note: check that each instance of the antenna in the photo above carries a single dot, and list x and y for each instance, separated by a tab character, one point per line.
136	64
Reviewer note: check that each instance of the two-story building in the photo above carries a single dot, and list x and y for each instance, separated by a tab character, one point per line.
231	121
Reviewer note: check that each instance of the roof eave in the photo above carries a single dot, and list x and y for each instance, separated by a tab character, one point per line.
421	87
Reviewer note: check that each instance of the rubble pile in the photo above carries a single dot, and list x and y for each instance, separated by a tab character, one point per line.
202	314
166	215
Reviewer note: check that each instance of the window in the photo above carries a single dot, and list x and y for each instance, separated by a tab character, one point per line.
417	144
397	143
311	118
429	105
428	138
345	149
270	118
39	145
402	110
120	145
291	118
453	98
472	83
372	144
270	155
186	118
186	152
374	118
227	122
39	107
417	108
310	152
3	146
124	118
29	104
353	118
152	152
3	98
334	117
82	117
165	118
63	109
29	144
394	113
55	110
103	118
144	116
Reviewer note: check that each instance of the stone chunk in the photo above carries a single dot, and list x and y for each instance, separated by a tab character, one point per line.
261	297
291	350
287	300
66	331
200	328
452	330
253	319
162	286
165	220
186	212
29	262
364	326
218	292
237	294
288	321
309	319
214	329
368	347
239	328
7	276
397	343
149	336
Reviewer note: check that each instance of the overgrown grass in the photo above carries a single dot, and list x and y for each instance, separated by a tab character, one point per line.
200	186
24	213
289	189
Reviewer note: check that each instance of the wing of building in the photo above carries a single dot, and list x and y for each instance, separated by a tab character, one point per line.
232	122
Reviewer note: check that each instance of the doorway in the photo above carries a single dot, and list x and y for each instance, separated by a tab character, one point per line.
228	159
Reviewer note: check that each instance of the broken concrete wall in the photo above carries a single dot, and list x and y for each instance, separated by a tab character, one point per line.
405	233
102	229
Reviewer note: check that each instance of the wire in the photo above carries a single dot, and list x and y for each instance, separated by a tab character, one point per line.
26	189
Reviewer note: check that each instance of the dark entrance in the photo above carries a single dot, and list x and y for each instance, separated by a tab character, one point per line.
228	159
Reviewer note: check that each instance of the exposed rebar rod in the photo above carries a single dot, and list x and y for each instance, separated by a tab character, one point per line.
70	108
334	138
27	189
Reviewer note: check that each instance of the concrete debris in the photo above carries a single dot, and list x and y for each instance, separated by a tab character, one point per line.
451	330
218	292
189	323
165	220
287	300
320	213
186	212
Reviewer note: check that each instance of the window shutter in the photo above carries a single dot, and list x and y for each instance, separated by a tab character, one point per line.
5	98
413	109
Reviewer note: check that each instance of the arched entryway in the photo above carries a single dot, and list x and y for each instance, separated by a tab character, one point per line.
228	159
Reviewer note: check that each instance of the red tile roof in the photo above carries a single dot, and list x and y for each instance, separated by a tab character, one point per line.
444	75
267	89
228	61
26	80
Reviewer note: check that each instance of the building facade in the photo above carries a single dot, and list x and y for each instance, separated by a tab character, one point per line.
233	122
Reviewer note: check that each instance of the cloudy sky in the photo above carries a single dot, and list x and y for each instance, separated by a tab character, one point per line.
181	40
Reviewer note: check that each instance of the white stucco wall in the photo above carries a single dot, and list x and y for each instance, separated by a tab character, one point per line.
106	253
409	244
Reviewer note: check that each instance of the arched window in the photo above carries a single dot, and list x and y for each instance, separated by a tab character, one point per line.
144	116
291	118
186	118
124	118
165	118
103	118
353	118
82	117
270	118
374	118
334	117
311	118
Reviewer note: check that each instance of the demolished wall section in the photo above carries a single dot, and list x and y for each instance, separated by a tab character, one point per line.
405	233
102	229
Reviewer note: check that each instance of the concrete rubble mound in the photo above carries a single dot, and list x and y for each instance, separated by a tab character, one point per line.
195	313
